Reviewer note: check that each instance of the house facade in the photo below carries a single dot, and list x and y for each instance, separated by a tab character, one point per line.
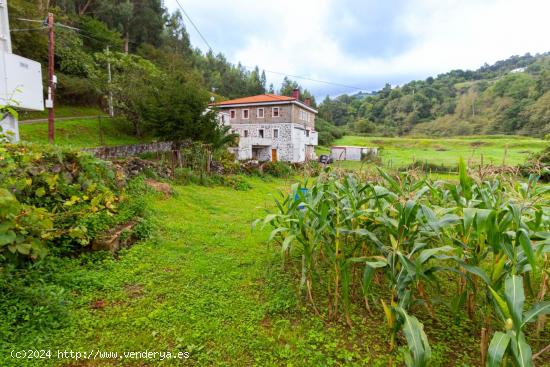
272	127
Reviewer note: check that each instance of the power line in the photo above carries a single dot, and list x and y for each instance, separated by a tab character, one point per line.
31	20
193	24
26	29
268	71
210	48
310	79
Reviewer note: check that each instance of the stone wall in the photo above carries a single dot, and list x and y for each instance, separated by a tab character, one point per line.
122	151
284	144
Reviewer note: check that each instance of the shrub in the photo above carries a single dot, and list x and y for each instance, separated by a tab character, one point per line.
57	200
236	182
538	164
277	169
328	132
429	167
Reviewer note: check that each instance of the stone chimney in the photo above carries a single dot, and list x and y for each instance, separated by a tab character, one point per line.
296	94
307	101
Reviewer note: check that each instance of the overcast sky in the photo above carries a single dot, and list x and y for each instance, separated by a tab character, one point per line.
367	43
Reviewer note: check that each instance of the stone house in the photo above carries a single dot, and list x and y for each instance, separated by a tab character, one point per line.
272	127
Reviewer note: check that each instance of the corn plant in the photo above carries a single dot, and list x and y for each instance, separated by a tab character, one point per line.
510	347
342	234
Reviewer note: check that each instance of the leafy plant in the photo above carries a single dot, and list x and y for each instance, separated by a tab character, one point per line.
400	234
510	346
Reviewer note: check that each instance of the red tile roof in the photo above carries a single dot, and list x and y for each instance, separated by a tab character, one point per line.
261	98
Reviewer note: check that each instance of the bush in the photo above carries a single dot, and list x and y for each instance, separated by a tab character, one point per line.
236	182
429	167
538	164
187	176
57	201
327	132
277	169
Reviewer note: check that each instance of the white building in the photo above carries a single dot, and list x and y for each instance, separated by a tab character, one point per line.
272	127
351	153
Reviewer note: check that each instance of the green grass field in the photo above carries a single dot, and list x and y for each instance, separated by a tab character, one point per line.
399	152
85	133
62	111
207	284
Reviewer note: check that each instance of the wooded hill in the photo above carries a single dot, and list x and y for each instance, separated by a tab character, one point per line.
511	96
148	45
142	28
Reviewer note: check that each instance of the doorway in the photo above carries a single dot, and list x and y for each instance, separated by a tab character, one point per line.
273	155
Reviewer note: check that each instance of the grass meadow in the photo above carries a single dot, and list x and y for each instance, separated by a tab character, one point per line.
402	151
208	284
82	133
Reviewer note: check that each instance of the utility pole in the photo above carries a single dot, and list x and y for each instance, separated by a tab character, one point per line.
111	110
52	79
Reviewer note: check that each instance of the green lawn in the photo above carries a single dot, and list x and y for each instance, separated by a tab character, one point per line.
85	133
399	152
62	111
207	284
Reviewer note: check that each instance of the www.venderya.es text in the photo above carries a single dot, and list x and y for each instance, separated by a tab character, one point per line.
97	354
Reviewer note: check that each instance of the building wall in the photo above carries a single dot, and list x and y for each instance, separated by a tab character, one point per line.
310	124
284	143
351	153
287	113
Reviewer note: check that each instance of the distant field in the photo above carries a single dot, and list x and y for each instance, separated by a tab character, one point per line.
399	152
82	133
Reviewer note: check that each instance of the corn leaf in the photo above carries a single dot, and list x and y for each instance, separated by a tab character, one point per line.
521	351
541	308
497	349
515	298
416	339
525	243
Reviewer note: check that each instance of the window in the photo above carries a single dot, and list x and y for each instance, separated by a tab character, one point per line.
233	114
276	112
245	133
275	133
307	133
246	114
261	132
260	113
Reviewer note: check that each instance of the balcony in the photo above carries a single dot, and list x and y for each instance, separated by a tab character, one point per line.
252	140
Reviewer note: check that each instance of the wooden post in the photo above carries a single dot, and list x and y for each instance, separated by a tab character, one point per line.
483	345
51	87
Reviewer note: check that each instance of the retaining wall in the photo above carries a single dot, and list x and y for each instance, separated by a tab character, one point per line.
122	151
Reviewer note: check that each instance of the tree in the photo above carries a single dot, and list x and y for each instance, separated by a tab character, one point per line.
133	79
176	109
364	126
288	87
